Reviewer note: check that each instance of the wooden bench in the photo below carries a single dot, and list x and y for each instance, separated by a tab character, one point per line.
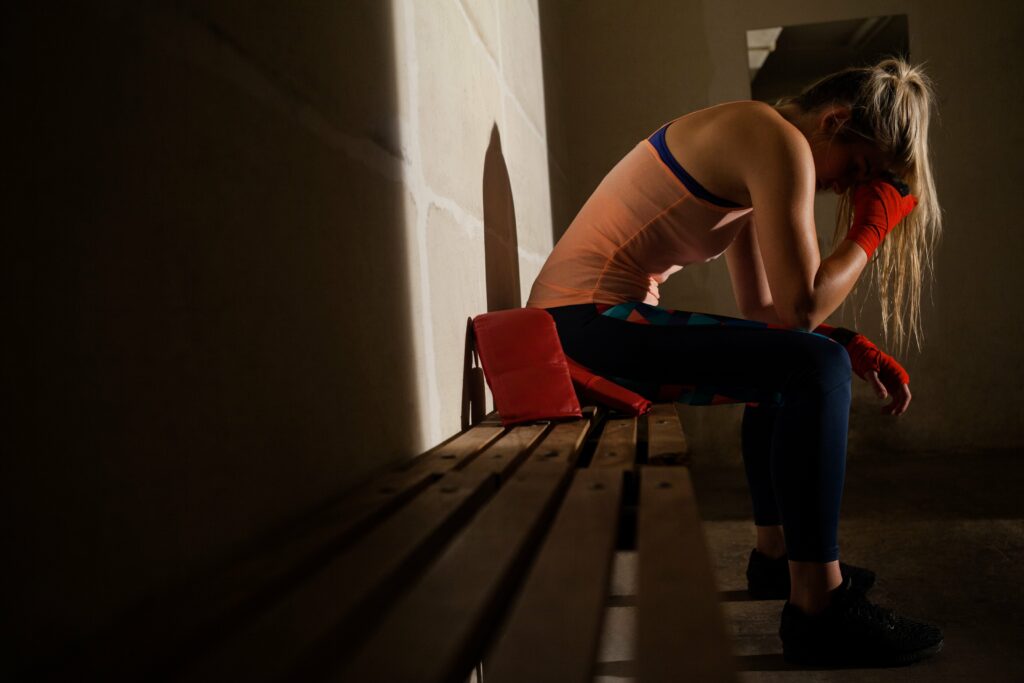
494	546
497	545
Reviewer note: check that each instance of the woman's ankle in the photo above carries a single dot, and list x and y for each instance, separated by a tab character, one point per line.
813	584
771	542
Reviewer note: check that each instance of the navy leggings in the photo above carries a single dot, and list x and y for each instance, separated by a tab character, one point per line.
796	385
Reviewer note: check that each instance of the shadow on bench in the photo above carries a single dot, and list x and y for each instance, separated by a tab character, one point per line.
494	546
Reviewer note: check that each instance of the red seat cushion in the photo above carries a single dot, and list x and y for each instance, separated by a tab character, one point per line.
524	366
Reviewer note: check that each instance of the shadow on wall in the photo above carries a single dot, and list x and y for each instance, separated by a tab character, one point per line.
211	323
501	244
501	262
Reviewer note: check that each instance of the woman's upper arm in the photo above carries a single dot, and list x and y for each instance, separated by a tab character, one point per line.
779	173
749	283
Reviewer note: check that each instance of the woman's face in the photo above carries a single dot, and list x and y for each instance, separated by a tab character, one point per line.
839	164
841	160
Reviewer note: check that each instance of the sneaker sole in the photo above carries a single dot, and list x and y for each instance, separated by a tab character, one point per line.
815	659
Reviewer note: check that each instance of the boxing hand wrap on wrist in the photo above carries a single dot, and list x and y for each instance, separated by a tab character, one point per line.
865	357
878	206
596	389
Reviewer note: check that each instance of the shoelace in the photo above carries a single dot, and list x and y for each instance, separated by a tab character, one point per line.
868	613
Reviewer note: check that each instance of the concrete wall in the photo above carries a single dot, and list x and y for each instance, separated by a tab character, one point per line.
242	240
470	82
624	71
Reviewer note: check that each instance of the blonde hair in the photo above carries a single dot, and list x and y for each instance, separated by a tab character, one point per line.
891	104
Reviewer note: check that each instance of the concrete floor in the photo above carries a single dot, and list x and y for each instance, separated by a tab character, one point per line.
945	534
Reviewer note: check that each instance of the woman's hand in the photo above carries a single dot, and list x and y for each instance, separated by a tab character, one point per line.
886	376
900	393
878	207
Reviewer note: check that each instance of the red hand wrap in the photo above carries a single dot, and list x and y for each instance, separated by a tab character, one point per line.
865	357
596	389
877	208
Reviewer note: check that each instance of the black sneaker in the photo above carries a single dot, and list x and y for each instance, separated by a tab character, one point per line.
768	579
855	632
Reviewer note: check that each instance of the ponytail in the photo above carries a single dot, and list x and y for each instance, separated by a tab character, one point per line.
890	105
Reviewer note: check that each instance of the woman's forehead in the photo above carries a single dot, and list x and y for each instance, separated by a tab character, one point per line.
876	158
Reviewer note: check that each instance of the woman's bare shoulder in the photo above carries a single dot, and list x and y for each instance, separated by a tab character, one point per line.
724	144
750	118
740	124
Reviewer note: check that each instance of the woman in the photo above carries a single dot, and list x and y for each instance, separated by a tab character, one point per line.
739	178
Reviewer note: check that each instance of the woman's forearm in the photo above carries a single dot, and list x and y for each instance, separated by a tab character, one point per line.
835	279
836	276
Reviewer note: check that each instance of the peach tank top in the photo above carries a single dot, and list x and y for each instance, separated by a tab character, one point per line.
646	220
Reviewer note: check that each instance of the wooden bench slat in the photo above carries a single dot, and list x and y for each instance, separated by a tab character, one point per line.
334	529
193	614
552	633
339	599
433	633
487	451
409	576
504	455
666	441
681	631
617	446
458	451
565	440
338	526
